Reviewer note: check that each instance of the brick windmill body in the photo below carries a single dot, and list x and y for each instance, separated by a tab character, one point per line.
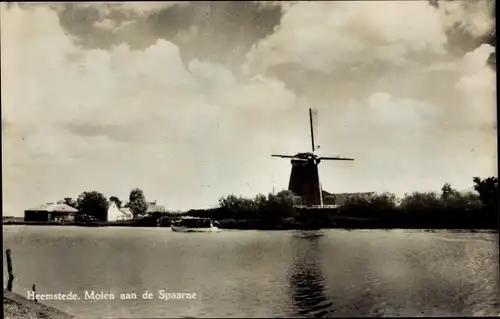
304	177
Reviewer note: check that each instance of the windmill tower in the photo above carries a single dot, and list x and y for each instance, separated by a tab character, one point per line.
304	177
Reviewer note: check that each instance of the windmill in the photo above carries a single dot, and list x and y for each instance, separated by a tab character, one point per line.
304	177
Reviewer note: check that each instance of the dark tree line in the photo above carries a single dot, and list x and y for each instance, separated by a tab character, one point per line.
447	209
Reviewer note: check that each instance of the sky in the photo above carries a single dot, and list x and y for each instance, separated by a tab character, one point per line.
187	101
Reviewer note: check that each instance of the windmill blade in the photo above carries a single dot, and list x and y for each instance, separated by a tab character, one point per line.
295	158
283	156
313	122
336	158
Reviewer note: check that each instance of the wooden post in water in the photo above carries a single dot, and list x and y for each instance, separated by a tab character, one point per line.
9	269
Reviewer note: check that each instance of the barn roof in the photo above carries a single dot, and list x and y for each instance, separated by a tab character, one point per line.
156	209
352	194
53	207
126	210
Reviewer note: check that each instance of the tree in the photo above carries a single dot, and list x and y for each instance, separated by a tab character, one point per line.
421	202
488	194
285	197
137	202
279	205
260	201
447	191
93	204
243	207
383	202
357	204
487	189
466	201
69	201
116	200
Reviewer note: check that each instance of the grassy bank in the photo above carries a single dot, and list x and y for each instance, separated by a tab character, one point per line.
12	310
351	216
344	222
17	306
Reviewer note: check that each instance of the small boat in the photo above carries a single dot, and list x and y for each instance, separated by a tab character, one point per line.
188	225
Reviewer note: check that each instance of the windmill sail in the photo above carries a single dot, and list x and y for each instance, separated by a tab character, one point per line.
313	119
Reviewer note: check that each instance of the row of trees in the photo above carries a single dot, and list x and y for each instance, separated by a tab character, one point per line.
449	208
270	207
95	204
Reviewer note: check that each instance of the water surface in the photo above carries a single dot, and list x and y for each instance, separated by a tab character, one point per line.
258	273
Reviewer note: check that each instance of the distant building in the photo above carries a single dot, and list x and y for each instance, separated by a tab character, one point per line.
332	199
340	198
155	209
297	200
116	214
126	214
328	199
51	212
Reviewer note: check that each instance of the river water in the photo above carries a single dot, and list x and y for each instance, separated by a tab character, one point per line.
259	273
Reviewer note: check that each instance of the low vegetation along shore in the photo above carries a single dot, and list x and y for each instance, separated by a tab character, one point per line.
448	209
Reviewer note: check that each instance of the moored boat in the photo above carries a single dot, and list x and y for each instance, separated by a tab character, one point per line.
187	225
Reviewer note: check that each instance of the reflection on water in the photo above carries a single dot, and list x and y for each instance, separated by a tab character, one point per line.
306	279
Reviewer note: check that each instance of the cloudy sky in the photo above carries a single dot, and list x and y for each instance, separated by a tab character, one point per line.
188	101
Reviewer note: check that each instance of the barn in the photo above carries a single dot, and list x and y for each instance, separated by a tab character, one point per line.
50	212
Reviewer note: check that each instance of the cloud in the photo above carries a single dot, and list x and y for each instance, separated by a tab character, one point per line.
219	31
474	17
146	8
349	50
113	16
129	9
323	36
65	104
133	106
106	24
283	5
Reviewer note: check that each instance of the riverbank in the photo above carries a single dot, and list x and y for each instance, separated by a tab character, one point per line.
281	224
419	210
16	306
